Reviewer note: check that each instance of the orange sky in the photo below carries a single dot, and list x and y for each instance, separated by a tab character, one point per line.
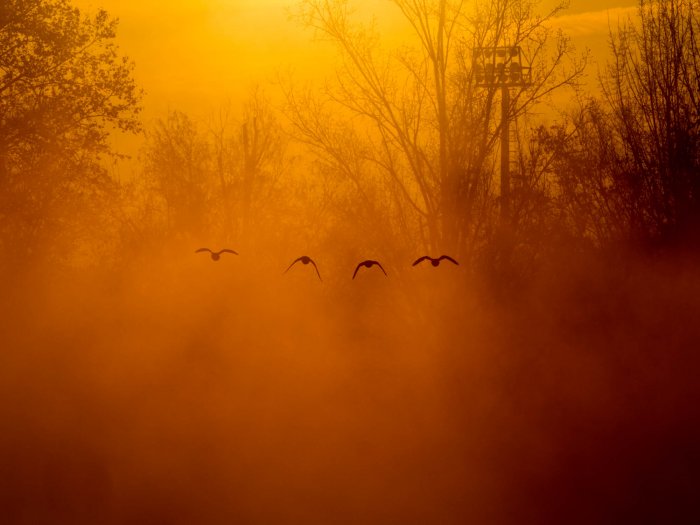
193	53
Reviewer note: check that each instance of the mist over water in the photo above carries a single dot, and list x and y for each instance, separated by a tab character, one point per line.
186	391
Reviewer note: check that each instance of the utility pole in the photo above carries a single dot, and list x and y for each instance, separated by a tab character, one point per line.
505	154
494	67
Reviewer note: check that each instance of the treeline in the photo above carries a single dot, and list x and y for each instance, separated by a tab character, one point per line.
398	154
626	162
63	89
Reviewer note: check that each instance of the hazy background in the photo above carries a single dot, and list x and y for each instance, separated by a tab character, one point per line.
550	377
181	391
194	55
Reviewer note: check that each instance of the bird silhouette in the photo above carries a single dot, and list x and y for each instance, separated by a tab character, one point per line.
305	259
368	264
215	256
435	262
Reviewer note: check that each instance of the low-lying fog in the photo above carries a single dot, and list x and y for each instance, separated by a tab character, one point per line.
187	391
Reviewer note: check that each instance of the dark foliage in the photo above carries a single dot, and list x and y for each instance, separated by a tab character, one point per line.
63	88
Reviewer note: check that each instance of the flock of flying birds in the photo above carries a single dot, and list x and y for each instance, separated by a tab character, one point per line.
305	259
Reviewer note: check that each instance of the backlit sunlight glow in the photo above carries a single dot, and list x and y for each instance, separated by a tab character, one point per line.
410	262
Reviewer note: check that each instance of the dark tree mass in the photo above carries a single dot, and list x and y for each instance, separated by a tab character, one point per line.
628	162
63	87
542	371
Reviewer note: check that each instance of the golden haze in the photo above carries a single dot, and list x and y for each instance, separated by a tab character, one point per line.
195	54
544	379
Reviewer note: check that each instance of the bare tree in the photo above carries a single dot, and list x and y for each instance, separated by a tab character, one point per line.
581	160
178	165
652	90
217	179
250	158
413	116
627	167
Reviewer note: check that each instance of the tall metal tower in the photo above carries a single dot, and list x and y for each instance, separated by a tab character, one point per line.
502	66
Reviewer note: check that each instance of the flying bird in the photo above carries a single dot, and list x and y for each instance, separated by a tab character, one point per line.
215	256
368	264
435	262
305	259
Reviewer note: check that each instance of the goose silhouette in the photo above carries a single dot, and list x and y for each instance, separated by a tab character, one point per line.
435	262
305	259
215	256
368	264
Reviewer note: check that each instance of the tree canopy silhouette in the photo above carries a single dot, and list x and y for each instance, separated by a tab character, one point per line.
221	176
63	88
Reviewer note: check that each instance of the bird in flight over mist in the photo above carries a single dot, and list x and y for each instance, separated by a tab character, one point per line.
305	259
215	256
368	264
435	262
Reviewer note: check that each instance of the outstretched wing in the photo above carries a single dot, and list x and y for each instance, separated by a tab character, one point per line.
316	268
227	250
357	269
448	258
418	261
203	250
295	261
380	266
